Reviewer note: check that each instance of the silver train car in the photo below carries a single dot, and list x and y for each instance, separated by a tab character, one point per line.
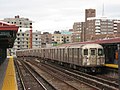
85	57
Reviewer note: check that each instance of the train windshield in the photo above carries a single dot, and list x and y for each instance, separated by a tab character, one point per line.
92	52
100	52
85	51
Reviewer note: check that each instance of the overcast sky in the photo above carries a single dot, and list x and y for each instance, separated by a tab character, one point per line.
51	15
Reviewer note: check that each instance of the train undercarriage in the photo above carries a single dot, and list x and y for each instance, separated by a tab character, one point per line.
86	69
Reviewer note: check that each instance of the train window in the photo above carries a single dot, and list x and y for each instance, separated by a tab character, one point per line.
92	52
85	51
100	52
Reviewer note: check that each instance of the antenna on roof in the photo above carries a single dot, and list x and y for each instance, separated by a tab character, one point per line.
103	9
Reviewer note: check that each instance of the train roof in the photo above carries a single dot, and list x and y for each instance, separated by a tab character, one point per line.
92	46
7	26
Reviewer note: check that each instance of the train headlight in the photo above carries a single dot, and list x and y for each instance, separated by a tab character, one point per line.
101	60
88	62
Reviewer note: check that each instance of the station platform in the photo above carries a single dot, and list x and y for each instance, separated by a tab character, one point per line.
112	66
7	74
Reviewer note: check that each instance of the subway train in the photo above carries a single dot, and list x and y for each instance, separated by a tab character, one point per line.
84	57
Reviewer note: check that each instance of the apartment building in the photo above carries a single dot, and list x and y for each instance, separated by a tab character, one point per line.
19	21
101	26
88	13
26	38
46	39
95	27
36	39
61	38
78	32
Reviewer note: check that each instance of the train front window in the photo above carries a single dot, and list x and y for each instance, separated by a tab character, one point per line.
100	52
85	51
92	52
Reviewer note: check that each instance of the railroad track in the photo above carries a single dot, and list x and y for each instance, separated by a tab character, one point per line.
90	79
93	81
29	79
60	80
109	76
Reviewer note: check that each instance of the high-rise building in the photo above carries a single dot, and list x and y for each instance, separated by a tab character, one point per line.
101	26
21	22
78	31
26	39
88	13
36	39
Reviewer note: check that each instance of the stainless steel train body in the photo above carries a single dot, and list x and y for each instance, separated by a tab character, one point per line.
89	56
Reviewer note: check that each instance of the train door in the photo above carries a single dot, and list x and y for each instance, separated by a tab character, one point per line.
53	54
76	56
93	56
80	57
65	55
70	55
62	54
85	57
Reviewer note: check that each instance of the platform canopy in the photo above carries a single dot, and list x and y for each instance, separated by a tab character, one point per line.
7	34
